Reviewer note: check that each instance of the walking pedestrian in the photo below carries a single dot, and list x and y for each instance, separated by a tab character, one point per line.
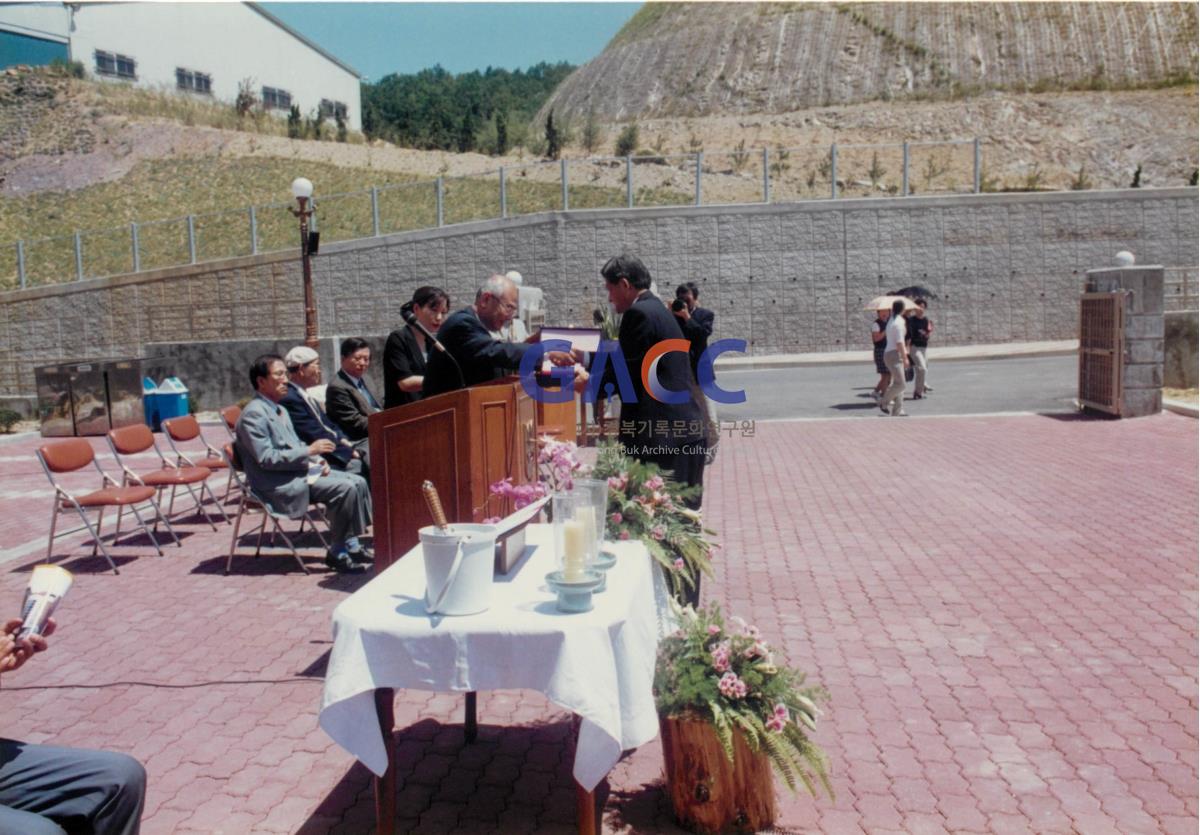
920	328
879	340
895	357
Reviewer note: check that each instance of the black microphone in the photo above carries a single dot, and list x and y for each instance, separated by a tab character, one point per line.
411	318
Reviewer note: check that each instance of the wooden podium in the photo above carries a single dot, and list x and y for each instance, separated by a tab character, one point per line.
463	441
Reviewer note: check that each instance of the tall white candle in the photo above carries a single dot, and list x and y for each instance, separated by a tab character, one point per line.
574	550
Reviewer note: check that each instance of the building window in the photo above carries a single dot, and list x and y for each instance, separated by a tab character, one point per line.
333	109
276	99
197	82
109	63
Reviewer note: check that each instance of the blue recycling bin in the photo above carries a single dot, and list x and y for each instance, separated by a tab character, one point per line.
150	403
168	399
172	399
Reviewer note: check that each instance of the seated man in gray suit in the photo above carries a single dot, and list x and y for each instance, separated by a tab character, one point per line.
348	401
289	474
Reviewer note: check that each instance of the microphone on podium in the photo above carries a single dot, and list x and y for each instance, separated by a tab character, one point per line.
411	318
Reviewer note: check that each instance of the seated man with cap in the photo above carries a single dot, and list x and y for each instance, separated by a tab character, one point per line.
309	419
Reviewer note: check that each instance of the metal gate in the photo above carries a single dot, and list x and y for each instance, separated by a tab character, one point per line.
1101	340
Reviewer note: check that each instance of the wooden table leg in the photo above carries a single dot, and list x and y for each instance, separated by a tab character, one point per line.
585	810
385	786
470	724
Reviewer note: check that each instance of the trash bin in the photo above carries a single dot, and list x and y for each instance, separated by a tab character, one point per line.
172	399
150	403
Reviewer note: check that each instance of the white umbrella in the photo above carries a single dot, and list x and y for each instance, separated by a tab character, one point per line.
885	303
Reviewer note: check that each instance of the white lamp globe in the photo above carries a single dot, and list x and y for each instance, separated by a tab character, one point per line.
1124	258
302	188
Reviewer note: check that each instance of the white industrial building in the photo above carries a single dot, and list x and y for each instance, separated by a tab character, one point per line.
195	49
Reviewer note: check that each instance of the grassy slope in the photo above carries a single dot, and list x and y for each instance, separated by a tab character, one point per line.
218	190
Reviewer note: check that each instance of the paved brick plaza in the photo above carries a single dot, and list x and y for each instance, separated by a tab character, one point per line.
1021	657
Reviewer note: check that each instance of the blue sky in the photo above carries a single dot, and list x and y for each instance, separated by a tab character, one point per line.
381	38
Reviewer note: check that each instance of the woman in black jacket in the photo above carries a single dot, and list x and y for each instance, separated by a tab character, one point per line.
407	349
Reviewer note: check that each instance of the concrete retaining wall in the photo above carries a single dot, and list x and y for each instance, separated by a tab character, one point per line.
786	277
1180	362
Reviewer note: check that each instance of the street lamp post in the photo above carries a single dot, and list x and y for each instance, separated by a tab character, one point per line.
302	190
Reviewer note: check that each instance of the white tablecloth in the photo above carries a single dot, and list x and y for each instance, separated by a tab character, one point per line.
598	664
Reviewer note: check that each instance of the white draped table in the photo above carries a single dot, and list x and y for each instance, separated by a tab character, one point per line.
597	664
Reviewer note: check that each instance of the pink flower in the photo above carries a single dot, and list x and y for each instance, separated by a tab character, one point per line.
617	518
618	482
720	657
678	564
758	648
713	629
781	712
654	483
658	532
775	724
623	535
731	686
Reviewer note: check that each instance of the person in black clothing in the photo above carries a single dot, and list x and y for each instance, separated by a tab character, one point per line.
480	357
407	350
879	340
696	322
920	327
650	428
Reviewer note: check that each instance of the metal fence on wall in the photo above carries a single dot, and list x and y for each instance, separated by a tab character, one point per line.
731	177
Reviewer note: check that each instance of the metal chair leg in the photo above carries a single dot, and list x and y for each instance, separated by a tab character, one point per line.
120	513
159	515
200	511
146	528
53	526
99	525
96	538
290	545
237	524
204	486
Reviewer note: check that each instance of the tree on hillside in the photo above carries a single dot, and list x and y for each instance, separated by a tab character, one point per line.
592	134
501	133
627	140
553	146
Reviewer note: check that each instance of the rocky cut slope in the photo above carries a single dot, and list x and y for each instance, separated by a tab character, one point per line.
697	59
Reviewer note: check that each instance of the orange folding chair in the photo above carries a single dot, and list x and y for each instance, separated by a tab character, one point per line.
75	454
254	503
229	416
131	440
183	429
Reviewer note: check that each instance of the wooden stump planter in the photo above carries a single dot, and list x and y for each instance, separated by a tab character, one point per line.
710	794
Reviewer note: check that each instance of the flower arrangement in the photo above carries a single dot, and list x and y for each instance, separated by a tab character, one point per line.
557	463
728	675
643	505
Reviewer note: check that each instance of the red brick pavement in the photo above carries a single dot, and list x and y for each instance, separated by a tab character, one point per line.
1019	655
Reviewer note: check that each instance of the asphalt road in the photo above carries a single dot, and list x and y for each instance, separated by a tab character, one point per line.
962	387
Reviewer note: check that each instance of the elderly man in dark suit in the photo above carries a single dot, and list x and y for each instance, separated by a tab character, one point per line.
348	400
476	355
309	419
670	435
289	474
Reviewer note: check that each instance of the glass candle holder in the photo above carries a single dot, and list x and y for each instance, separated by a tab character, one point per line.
596	491
571	548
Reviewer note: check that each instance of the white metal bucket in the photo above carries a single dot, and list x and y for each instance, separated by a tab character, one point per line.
458	568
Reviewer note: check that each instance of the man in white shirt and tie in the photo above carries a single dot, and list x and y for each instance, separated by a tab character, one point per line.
348	400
